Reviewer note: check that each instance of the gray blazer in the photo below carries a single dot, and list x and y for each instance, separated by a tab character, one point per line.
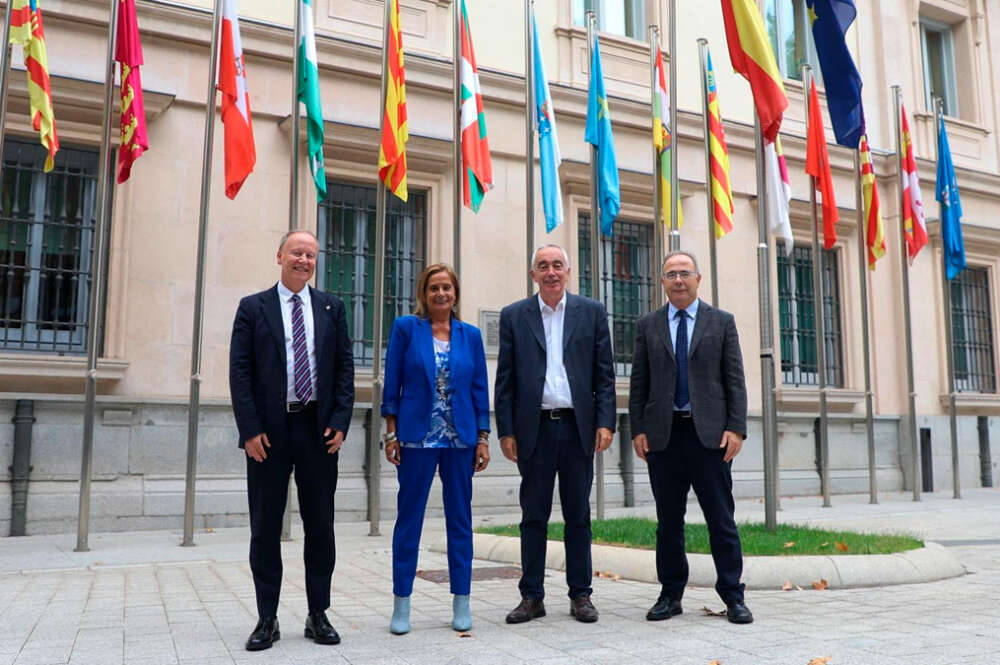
715	378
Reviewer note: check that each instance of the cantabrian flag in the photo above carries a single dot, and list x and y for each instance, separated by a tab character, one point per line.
663	141
752	56
477	168
128	55
27	30
914	225
722	191
818	166
874	229
392	151
241	155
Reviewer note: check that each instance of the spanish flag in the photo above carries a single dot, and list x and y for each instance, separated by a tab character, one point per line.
392	151
752	56
27	30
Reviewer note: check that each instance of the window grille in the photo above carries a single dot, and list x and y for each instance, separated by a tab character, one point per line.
972	332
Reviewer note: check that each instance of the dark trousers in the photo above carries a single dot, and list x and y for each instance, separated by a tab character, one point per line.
416	473
267	489
558	451
686	464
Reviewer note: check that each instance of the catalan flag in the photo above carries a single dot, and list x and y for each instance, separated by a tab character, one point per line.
752	56
722	191
818	166
662	140
128	54
874	229
392	151
477	167
914	225
27	30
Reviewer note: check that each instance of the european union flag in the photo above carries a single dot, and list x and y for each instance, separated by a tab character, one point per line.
598	134
951	208
830	21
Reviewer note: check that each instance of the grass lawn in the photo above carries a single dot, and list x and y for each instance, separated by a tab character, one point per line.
788	539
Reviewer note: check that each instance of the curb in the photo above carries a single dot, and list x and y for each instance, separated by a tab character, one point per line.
928	564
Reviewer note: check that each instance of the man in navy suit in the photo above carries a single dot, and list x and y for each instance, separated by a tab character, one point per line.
291	378
555	405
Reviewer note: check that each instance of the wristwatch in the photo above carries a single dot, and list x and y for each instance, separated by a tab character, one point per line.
390	437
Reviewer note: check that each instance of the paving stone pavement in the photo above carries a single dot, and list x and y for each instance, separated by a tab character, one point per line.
138	598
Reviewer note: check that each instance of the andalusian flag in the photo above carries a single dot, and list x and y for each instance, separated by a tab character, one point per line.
662	139
392	150
308	94
874	229
477	169
128	54
27	30
722	191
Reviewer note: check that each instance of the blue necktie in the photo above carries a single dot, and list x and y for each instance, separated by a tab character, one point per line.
681	396
303	377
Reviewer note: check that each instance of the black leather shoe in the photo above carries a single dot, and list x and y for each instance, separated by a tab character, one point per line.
264	635
530	608
738	613
584	610
319	630
664	609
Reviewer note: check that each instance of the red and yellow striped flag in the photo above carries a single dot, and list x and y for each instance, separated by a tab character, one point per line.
722	191
392	151
26	29
874	229
128	54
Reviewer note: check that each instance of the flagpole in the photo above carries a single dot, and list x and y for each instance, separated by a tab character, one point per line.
457	103
293	188
950	350
712	260
675	234
199	289
654	40
94	327
5	59
907	325
865	327
529	146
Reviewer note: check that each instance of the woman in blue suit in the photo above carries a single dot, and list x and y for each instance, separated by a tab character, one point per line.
437	415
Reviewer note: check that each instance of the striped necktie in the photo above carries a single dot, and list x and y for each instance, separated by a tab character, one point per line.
303	378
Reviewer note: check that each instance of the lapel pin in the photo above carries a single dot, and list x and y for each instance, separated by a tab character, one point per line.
328	307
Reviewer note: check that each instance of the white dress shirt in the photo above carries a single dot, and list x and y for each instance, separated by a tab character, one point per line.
692	314
556	393
285	298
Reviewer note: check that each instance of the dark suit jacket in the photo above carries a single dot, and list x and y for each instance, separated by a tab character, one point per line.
715	378
521	370
258	381
411	379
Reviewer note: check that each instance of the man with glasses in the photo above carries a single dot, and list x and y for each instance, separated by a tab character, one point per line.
688	410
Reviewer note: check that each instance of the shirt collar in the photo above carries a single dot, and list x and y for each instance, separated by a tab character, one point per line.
561	305
285	294
692	309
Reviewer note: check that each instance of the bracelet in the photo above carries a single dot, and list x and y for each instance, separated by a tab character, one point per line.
390	437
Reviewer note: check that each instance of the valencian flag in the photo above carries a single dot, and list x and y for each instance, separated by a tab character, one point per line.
722	191
128	54
818	166
477	168
662	139
27	30
241	155
830	21
874	229
951	207
914	225
598	134
548	141
752	56
392	150
778	190
308	94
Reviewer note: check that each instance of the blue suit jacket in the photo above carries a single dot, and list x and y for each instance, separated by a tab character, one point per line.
411	377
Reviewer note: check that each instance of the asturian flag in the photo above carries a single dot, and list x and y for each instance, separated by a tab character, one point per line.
241	155
26	29
477	168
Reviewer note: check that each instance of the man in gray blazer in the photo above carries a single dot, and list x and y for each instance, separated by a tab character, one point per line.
688	410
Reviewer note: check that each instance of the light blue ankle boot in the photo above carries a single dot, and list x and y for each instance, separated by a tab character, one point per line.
461	615
400	623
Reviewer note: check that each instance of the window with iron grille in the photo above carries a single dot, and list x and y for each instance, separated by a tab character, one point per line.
346	263
972	331
46	240
797	312
627	281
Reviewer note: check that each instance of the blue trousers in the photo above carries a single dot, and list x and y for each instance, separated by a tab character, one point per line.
415	473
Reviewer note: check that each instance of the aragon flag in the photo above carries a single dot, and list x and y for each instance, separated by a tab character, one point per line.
477	168
128	54
818	166
27	29
395	132
874	229
241	155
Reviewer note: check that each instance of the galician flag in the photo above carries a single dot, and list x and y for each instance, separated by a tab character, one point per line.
662	139
548	141
477	168
128	54
241	155
308	88
26	29
395	130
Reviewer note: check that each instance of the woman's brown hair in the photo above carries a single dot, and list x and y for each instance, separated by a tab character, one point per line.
425	277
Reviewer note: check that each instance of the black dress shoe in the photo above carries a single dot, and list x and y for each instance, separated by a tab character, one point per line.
738	613
264	635
664	609
319	630
530	608
584	610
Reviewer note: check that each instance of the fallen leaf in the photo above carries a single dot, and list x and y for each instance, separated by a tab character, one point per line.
617	578
790	543
715	662
209	529
821	585
824	544
597	573
841	547
798	588
465	634
712	613
787	586
608	573
819	661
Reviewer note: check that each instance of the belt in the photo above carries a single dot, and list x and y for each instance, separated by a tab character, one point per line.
299	407
556	414
682	414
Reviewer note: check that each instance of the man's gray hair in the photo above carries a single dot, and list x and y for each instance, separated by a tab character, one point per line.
550	245
284	238
681	252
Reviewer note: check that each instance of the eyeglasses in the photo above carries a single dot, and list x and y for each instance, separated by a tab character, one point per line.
674	274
